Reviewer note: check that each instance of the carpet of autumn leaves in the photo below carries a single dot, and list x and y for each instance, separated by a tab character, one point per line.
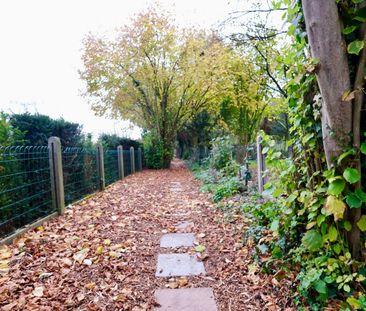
101	255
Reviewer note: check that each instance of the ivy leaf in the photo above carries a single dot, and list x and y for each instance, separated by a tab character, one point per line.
363	148
336	187
362	223
353	201
312	240
345	155
357	1
320	286
349	29
360	194
355	47
335	207
351	175
347	225
332	234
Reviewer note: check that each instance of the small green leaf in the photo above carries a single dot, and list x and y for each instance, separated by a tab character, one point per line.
351	175
337	248
320	219
346	288
336	187
355	47
312	240
362	223
345	155
200	248
347	225
360	194
320	286
332	234
363	148
349	29
357	1
353	201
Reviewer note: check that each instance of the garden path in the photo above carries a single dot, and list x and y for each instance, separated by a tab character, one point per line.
114	251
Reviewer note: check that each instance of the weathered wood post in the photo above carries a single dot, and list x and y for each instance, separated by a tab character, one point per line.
132	155
261	162
121	171
56	174
139	154
100	164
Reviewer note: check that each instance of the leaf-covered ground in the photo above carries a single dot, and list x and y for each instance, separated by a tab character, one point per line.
101	255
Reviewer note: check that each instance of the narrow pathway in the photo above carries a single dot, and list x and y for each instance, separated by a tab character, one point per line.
119	250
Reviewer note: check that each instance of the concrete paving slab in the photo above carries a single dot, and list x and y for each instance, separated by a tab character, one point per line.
184	225
178	265
185	299
177	240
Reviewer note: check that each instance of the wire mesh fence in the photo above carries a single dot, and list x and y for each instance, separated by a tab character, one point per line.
127	162
27	179
25	192
111	166
80	173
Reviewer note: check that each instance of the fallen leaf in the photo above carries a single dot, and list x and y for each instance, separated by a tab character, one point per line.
38	291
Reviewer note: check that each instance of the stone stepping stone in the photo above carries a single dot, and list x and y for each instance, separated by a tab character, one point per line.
178	265
177	240
185	299
184	225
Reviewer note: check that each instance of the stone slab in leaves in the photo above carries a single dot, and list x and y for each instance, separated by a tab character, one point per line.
178	265
201	299
177	240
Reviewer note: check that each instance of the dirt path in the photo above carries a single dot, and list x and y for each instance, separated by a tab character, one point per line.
102	254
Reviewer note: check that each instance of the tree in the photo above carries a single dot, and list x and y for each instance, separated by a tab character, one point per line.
243	106
153	74
331	26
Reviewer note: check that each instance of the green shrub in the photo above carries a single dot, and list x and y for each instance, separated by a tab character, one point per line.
156	152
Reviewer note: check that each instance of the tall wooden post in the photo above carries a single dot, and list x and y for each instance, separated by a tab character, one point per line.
132	155
261	162
100	164
139	153
56	174
121	171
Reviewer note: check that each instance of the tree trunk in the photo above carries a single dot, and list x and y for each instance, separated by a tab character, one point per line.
323	27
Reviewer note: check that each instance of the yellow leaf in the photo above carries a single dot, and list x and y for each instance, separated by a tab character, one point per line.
40	228
107	242
90	285
335	207
99	250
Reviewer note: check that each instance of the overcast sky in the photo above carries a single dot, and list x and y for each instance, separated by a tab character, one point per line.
41	43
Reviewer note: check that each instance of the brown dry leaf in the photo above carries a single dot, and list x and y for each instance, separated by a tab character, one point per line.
90	285
80	296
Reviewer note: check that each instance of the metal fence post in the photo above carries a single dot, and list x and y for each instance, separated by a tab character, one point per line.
56	174
100	164
261	162
139	153
121	171
132	155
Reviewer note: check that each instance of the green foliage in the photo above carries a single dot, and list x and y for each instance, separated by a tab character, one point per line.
221	157
112	141
9	135
156	151
37	128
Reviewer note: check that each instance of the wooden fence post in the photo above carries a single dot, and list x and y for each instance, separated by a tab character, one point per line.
261	162
139	153
121	171
132	155
100	164
56	174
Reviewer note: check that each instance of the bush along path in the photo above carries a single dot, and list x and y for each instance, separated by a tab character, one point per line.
119	250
